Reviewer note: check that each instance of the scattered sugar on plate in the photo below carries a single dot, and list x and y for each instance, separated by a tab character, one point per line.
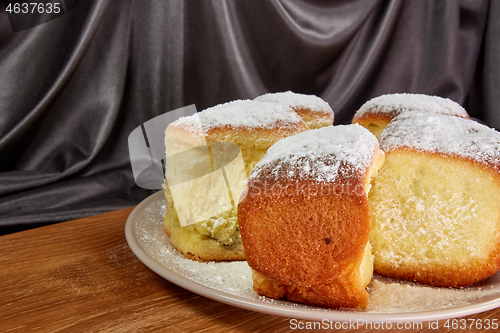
235	278
296	100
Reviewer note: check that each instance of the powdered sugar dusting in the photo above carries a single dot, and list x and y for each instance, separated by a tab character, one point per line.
296	100
243	113
444	134
398	103
390	295
151	236
323	154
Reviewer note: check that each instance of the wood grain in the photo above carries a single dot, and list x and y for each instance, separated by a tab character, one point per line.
81	276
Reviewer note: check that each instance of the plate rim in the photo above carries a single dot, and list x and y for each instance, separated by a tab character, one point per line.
313	314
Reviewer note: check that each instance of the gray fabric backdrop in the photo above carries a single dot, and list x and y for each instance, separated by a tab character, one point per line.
72	89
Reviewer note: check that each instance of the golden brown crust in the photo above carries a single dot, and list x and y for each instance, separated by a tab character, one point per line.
454	277
375	123
194	245
375	114
313	246
253	143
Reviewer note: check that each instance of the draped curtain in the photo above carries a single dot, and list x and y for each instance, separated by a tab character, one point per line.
73	89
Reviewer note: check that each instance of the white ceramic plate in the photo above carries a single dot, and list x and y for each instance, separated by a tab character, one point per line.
231	282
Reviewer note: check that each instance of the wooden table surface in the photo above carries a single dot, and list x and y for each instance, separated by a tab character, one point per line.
81	276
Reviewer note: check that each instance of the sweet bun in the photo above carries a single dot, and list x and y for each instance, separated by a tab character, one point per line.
435	201
312	109
305	218
197	148
379	111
